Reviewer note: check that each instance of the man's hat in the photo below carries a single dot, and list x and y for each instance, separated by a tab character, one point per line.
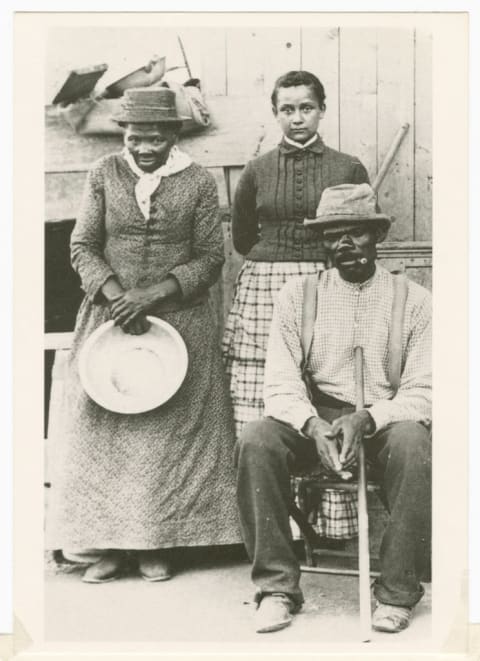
143	105
347	202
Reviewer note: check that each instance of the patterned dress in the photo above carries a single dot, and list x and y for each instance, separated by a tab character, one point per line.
164	478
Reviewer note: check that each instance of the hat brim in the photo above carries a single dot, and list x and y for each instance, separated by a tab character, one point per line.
334	219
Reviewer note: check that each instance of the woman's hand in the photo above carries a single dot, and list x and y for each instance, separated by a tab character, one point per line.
137	326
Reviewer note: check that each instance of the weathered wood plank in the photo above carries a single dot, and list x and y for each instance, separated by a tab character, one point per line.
420	274
245	62
320	55
219	174
63	193
395	106
234	175
214	63
57	341
358	95
282	54
423	136
233	264
283	48
257	56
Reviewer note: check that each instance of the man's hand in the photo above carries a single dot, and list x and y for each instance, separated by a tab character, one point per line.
349	431
327	446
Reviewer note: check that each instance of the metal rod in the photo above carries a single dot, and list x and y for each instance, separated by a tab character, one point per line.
387	161
363	548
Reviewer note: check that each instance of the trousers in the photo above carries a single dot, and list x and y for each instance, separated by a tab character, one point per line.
269	451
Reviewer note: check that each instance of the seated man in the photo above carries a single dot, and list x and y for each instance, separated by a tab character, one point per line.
354	308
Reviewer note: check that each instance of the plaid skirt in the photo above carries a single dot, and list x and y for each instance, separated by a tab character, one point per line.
244	347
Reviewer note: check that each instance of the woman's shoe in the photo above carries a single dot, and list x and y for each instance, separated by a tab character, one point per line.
155	565
108	568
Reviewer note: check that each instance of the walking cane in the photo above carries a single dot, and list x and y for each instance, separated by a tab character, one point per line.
363	549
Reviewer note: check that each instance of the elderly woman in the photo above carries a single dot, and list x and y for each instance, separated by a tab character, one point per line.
147	240
276	192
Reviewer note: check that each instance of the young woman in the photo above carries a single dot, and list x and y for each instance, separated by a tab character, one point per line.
276	192
147	240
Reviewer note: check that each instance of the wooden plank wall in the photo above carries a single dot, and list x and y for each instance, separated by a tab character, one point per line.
375	80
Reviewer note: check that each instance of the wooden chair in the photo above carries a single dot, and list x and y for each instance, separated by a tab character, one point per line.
310	488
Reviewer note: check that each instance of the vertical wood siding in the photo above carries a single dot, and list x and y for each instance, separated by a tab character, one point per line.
375	81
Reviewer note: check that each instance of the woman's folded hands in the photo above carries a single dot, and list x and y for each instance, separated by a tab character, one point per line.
129	308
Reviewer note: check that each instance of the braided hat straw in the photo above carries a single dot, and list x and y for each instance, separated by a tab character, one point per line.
144	105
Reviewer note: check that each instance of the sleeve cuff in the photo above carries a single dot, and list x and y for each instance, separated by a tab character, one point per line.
296	417
94	288
380	414
183	276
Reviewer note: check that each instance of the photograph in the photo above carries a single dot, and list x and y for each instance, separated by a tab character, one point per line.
238	295
185	176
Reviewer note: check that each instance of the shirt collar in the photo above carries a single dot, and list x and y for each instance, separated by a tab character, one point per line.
359	286
315	144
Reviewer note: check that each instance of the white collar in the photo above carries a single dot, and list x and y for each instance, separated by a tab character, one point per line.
300	145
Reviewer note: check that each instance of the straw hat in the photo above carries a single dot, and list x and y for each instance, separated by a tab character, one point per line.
133	373
347	202
143	105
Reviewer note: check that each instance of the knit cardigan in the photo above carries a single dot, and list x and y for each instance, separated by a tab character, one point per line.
281	188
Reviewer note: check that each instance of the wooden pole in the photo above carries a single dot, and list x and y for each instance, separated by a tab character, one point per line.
187	66
387	161
363	549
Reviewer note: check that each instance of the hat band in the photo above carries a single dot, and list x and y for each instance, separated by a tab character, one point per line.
135	106
149	110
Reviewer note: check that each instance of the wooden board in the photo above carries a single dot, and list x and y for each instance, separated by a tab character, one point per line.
245	62
233	264
423	136
63	193
219	174
358	95
256	57
214	63
282	48
395	51
234	175
320	55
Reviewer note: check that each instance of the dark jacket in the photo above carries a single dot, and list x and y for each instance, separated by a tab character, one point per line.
281	188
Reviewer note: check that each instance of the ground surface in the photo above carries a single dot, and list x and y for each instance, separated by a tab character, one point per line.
209	600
